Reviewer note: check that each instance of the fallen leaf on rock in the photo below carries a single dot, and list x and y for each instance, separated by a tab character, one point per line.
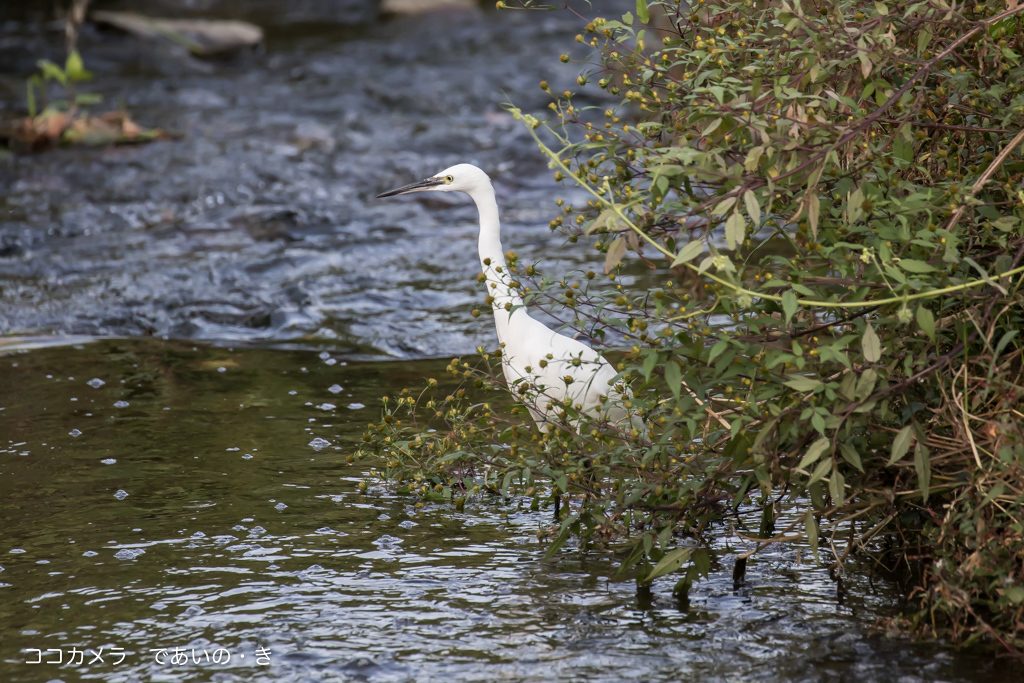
202	37
57	127
423	6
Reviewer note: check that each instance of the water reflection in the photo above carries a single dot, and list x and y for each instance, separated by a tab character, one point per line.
199	516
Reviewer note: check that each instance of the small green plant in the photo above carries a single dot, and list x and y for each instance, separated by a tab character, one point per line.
67	120
71	74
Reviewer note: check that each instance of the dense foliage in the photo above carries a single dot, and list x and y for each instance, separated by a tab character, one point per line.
829	195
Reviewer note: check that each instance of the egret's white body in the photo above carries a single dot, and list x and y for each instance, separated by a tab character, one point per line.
532	353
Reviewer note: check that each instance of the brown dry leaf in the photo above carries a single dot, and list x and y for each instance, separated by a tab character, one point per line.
50	125
43	130
130	129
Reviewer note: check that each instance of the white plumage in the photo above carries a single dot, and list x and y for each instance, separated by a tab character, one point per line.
532	353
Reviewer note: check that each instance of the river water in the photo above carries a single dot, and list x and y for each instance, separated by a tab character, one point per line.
199	498
259	225
174	481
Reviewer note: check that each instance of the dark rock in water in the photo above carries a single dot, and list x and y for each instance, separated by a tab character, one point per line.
10	247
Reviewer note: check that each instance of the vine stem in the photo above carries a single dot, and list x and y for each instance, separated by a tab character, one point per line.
738	289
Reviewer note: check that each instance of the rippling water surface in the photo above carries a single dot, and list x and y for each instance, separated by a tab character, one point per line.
159	495
195	498
259	224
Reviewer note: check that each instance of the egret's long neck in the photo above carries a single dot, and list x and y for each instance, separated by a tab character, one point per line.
492	259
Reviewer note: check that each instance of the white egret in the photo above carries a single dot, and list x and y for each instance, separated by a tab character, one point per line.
541	366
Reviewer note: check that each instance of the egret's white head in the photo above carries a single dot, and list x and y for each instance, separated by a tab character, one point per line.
458	178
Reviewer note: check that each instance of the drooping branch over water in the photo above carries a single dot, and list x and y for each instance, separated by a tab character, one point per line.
824	205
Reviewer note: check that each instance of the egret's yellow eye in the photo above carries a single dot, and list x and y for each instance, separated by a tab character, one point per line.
448	180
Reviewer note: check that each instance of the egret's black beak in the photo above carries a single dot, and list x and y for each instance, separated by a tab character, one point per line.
413	187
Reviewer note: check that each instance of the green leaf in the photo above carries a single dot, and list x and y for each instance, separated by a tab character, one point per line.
814	452
1003	341
854	210
923	38
631	559
661	185
1006	223
607	219
813	213
506	482
811	526
984	275
767	520
558	543
803	383
668	170
837	487
616	250
865	384
820	471
846	387
75	69
922	463
764	433
674	377
701	561
903	149
672	561
753	157
664	536
51	70
818	422
649	362
851	455
926	321
88	99
735	228
689	252
914	266
901	444
1014	593
717	350
871	345
627	18
711	129
753	208
879	7
789	304
862	55
723	206
643	13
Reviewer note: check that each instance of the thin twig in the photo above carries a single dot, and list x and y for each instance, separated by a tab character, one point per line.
989	172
